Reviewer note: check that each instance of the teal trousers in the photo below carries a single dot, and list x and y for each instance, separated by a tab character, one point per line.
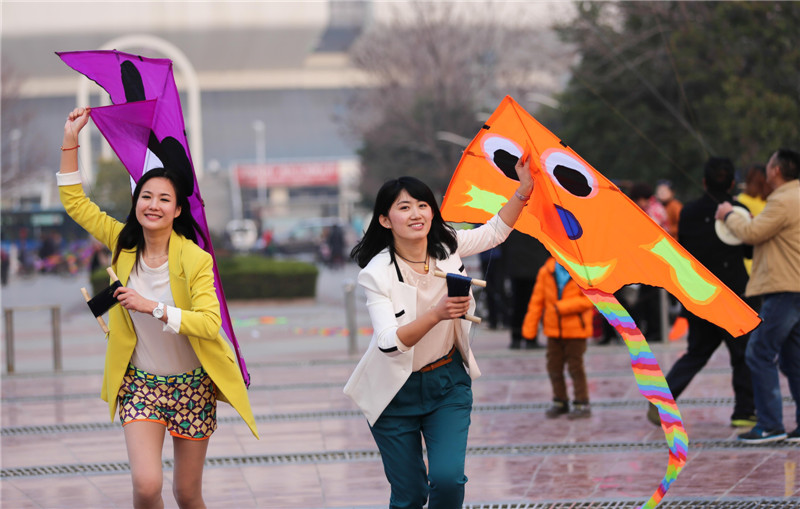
435	405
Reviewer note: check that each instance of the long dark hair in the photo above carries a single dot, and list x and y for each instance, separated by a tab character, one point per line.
131	236
441	237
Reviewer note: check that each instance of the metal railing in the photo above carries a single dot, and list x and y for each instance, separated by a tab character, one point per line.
55	320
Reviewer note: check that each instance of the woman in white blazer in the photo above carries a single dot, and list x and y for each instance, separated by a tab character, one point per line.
415	379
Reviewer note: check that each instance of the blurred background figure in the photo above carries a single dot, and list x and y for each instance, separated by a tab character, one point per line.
495	276
754	196
523	256
646	310
666	196
566	315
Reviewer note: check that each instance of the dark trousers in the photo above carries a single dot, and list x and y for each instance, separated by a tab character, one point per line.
435	405
569	352
704	338
495	290
521	290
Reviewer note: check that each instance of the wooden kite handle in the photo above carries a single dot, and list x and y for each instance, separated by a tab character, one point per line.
476	282
99	318
114	276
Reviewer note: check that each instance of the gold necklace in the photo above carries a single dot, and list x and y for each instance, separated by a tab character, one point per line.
425	261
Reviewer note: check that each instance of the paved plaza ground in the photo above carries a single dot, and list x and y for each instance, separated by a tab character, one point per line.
59	449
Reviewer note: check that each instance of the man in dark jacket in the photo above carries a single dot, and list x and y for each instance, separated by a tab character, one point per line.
696	233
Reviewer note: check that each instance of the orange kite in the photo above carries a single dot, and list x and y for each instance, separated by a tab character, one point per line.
601	237
596	232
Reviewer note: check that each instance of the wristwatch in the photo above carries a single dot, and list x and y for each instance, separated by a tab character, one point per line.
158	312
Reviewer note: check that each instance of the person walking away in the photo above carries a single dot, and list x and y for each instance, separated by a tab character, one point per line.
414	381
696	234
775	236
566	314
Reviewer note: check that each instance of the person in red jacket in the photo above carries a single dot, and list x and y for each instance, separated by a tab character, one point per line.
566	315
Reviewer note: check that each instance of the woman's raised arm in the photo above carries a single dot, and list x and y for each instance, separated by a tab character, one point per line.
76	121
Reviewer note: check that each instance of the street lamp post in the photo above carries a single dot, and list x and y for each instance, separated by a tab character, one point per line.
260	129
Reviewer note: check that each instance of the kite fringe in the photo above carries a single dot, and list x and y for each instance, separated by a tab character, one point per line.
652	385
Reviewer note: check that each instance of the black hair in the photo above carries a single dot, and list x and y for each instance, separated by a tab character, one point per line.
441	237
789	163
718	173
131	235
641	190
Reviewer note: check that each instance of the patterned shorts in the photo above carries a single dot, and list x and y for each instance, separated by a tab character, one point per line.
186	404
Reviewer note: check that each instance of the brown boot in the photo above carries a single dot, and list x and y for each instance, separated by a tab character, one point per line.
559	408
580	411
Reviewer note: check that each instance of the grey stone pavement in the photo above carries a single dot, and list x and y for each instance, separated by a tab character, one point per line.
59	450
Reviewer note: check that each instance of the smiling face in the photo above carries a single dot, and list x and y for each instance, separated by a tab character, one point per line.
157	207
409	219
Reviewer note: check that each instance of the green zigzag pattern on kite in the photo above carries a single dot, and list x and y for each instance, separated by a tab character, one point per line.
695	287
485	200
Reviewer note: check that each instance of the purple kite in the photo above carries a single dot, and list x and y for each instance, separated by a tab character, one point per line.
144	126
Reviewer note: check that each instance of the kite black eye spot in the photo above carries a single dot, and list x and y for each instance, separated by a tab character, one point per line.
572	180
502	153
570	174
507	163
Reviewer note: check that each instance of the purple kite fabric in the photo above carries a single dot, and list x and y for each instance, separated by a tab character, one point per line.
145	128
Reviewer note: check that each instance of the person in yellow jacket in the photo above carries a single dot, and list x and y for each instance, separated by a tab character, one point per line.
566	315
166	362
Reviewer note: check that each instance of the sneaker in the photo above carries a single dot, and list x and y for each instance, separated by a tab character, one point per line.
580	411
559	408
652	415
758	435
744	421
794	436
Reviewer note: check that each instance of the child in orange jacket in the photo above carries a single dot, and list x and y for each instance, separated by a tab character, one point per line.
566	314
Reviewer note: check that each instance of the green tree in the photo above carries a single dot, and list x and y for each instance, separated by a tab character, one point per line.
661	86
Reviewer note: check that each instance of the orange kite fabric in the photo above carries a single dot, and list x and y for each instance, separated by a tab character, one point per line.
596	232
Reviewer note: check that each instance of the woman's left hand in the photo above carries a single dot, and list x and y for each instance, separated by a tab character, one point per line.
131	300
523	169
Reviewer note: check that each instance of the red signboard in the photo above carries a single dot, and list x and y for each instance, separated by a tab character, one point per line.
296	174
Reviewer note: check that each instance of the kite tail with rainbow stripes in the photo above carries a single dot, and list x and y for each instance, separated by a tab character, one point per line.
651	384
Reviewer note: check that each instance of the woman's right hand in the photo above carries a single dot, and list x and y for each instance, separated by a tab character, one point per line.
76	120
450	308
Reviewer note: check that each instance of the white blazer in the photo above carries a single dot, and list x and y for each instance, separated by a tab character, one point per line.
387	363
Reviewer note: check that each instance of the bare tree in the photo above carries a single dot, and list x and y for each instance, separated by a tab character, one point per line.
441	67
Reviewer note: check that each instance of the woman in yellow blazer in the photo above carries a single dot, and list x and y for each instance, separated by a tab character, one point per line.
153	259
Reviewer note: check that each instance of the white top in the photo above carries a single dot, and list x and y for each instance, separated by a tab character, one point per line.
438	341
159	350
386	365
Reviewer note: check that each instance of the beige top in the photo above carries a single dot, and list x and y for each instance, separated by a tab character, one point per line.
438	341
159	349
775	235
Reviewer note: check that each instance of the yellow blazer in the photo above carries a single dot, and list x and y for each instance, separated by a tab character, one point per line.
191	279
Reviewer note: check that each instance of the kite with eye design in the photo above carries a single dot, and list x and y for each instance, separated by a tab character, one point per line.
600	236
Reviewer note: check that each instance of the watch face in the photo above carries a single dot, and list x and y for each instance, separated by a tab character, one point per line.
158	312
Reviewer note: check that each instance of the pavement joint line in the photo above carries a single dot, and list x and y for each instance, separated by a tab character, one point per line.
349	456
353	360
490	408
326	385
670	503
